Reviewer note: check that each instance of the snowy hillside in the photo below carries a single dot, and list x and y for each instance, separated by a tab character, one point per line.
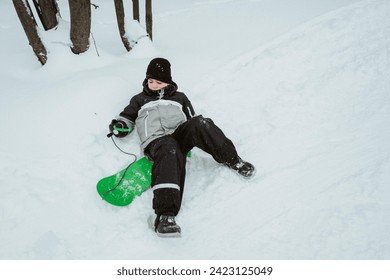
301	87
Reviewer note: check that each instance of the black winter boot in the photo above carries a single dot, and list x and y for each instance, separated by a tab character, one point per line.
244	168
166	226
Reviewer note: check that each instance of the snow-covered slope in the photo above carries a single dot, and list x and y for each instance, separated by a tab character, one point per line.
304	95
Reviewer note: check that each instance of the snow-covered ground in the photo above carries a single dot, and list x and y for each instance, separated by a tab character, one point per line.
301	87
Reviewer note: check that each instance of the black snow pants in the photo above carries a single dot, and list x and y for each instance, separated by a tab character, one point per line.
169	154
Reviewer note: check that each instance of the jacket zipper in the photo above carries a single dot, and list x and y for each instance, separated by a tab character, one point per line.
161	94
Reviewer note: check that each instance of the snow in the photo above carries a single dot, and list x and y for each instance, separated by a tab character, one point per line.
301	87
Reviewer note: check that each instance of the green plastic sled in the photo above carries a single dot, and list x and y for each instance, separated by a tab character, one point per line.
121	188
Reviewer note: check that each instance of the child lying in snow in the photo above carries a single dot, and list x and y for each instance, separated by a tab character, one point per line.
168	129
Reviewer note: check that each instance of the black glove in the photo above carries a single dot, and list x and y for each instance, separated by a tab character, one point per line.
119	128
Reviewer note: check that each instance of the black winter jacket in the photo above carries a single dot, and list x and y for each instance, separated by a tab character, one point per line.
156	114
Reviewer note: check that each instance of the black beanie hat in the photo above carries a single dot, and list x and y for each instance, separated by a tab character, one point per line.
159	69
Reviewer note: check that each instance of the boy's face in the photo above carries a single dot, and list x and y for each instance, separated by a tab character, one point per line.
156	85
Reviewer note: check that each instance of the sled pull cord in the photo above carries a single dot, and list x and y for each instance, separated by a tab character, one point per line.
124	173
127	153
120	180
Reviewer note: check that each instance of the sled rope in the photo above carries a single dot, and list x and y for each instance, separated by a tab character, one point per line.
124	173
127	153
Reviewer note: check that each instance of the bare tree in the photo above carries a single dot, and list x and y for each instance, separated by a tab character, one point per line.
29	24
120	16
149	18
80	24
47	12
136	10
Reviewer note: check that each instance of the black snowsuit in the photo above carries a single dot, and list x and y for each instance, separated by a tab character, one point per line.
168	130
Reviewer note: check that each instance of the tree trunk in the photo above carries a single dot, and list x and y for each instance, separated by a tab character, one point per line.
38	9
47	13
120	16
136	10
29	24
80	25
149	18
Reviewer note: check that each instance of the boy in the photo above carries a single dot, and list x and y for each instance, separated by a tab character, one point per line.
168	129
